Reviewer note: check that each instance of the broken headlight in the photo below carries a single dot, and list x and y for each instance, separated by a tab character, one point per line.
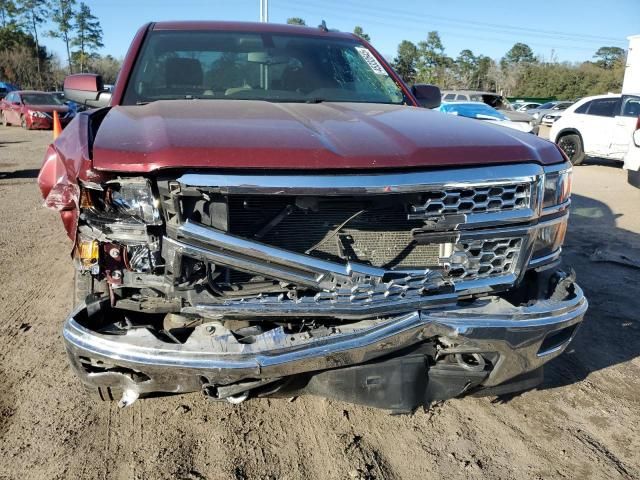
133	197
557	188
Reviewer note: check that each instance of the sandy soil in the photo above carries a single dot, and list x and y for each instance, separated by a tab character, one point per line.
583	422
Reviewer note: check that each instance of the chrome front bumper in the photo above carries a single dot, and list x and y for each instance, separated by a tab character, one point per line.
137	363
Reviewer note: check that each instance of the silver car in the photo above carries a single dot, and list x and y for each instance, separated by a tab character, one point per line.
549	108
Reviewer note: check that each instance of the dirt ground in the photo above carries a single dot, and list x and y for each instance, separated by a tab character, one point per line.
583	422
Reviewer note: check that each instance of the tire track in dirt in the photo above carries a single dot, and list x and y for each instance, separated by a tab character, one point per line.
604	455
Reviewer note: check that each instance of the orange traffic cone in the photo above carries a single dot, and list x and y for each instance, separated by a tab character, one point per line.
57	128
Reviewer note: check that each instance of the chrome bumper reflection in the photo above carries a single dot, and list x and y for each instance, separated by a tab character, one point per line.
516	334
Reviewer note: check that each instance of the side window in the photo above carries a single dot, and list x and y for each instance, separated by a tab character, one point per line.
461	97
450	96
583	108
10	98
631	107
605	107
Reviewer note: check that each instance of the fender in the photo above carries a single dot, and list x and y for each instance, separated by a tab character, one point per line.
567	131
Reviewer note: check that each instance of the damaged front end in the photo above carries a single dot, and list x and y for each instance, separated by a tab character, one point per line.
392	290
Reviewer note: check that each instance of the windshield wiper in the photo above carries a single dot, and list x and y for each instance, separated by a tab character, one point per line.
186	97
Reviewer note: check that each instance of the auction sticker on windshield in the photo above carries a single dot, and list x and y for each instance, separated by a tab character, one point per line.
371	61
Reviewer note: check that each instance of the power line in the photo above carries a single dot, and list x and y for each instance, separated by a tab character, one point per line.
368	18
492	26
407	21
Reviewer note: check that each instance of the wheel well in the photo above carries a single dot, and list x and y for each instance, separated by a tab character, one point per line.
567	131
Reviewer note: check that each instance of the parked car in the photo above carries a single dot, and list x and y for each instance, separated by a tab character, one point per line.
492	99
267	209
550	108
6	88
598	126
549	118
73	106
525	106
632	157
482	111
32	109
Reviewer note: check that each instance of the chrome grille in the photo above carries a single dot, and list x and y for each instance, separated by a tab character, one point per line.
438	221
479	199
360	300
476	259
380	237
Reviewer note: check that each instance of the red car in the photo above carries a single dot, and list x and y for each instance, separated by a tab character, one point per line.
261	209
33	110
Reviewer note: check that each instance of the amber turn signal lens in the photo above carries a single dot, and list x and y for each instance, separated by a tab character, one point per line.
88	252
85	199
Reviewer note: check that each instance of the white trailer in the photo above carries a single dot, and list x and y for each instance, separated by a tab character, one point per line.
631	82
631	85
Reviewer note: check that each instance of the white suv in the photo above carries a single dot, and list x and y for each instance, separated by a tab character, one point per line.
599	126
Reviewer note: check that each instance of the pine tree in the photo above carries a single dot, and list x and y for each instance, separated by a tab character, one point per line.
8	11
63	16
359	32
296	21
405	62
88	36
33	14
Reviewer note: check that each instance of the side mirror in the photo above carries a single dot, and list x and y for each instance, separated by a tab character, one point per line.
86	89
428	96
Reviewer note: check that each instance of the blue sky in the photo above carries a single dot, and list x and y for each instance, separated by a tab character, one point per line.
571	29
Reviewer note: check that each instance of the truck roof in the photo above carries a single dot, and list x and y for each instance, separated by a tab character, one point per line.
250	27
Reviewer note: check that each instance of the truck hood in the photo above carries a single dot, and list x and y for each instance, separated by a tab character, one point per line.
249	134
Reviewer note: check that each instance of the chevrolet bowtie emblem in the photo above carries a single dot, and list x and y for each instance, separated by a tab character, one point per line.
439	222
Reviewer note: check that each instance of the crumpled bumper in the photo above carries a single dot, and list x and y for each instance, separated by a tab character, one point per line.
518	339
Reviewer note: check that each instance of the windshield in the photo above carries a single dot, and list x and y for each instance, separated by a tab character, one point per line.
479	111
40	99
258	66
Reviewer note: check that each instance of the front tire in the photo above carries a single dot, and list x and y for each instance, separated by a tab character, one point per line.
633	177
23	123
571	145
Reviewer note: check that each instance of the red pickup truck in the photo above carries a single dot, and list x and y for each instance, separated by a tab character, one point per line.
268	210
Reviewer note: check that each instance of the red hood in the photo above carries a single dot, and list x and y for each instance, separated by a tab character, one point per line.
257	134
47	108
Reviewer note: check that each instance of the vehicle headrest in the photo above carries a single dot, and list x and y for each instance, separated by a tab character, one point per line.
183	71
